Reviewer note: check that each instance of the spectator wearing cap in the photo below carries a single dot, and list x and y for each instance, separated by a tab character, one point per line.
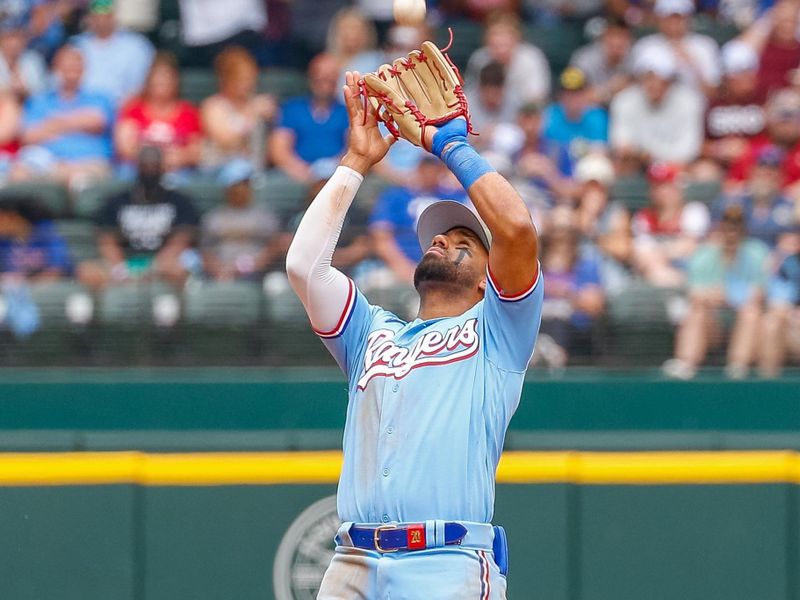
728	273
311	128
527	70
145	232
604	224
767	212
66	132
774	38
239	240
487	105
158	117
782	131
606	62
735	115
22	71
696	56
780	334
667	232
659	118
117	61
393	220
574	121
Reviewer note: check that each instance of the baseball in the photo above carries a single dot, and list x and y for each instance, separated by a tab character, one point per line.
409	12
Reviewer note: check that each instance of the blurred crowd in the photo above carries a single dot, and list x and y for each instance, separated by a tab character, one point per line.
657	156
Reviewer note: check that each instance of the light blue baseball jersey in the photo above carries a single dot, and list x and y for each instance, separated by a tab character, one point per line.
429	405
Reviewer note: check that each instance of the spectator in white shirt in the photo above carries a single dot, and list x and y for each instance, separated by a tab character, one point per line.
117	61
527	71
659	118
697	56
209	26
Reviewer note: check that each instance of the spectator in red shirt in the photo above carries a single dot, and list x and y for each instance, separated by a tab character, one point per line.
667	232
783	131
774	36
158	117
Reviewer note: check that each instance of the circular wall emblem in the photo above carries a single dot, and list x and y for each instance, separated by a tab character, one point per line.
305	551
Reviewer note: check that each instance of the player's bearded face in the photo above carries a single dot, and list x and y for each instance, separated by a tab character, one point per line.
455	264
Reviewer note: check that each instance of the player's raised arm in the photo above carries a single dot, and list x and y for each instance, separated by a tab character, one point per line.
513	257
323	290
422	100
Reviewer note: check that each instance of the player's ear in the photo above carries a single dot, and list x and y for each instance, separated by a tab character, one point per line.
482	285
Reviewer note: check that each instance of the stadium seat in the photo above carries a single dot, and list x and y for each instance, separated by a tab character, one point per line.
557	43
639	329
633	192
52	297
281	193
204	193
197	84
88	201
130	305
223	322
289	338
283	83
707	192
234	304
81	237
53	195
719	32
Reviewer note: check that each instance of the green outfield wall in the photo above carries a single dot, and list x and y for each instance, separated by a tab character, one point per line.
570	538
704	521
296	408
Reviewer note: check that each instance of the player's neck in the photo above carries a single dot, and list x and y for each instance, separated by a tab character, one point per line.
439	302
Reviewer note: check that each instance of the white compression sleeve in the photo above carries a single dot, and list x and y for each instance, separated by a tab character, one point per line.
322	289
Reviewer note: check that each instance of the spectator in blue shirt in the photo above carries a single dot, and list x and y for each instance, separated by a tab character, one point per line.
767	212
117	61
393	221
66	132
574	121
311	128
573	296
780	335
30	246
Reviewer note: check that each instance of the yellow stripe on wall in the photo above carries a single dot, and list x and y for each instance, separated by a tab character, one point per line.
266	468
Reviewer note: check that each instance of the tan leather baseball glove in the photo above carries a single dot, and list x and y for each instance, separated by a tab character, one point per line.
420	90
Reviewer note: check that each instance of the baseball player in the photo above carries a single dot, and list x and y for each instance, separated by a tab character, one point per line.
429	400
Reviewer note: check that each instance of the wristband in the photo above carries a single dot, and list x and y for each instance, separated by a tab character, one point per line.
450	132
465	163
451	146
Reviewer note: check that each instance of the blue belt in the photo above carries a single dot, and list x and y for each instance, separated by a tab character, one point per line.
402	536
